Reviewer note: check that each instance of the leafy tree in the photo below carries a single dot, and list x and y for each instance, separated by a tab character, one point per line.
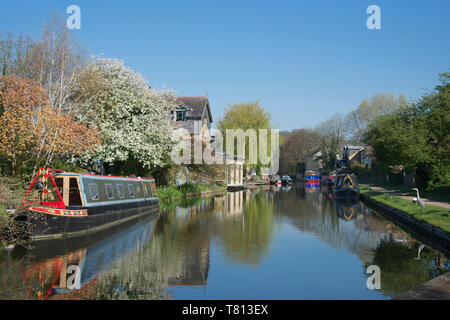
133	121
417	137
399	139
434	110
244	116
31	130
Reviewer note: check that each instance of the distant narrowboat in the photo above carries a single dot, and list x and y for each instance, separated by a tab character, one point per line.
312	176
79	203
286	180
346	186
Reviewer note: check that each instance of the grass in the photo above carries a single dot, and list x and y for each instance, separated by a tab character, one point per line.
440	194
433	215
175	192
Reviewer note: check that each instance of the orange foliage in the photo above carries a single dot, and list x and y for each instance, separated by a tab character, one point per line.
30	128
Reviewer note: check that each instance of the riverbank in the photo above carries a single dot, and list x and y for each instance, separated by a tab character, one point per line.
431	225
435	289
434	213
170	193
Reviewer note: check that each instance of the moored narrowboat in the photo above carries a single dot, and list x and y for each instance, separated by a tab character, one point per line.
312	176
72	204
286	180
346	186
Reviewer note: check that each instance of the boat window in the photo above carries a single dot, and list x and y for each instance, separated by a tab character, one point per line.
120	191
109	191
93	190
148	192
131	190
74	193
154	192
138	190
59	184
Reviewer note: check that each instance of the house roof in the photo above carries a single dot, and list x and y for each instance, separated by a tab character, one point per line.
196	107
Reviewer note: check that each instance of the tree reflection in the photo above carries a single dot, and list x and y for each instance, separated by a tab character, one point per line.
246	237
401	271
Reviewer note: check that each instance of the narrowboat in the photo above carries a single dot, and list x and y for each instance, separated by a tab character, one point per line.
346	186
71	204
312	176
274	179
286	180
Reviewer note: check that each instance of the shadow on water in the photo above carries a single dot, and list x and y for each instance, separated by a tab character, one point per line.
238	234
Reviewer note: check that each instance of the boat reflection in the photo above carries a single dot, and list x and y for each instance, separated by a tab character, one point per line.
347	210
312	187
68	272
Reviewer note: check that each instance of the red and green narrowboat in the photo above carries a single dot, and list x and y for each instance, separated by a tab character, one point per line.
73	204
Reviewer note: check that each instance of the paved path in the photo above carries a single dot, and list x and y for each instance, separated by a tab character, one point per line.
403	195
435	289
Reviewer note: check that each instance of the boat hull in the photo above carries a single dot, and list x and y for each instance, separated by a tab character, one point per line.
346	193
98	218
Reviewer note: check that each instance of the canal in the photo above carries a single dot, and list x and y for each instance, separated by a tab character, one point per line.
265	243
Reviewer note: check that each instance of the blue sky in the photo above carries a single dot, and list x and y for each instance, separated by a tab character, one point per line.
304	60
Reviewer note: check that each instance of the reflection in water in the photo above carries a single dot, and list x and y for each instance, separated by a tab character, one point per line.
246	244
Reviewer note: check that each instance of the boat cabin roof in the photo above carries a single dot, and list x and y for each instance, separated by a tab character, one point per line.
100	176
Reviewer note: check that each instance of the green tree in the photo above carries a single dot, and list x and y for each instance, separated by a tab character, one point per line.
244	116
417	137
434	110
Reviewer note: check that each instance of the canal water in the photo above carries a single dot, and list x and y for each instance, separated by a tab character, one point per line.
271	242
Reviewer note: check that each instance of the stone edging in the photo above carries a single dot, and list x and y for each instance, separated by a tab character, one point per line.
431	235
435	289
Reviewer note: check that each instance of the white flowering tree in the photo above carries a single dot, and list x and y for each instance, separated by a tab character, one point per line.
133	120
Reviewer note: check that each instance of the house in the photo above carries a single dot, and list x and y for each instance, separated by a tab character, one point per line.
357	154
194	115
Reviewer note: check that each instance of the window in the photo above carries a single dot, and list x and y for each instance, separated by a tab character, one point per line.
120	191
154	192
146	193
74	193
131	190
139	190
149	189
181	115
109	191
93	190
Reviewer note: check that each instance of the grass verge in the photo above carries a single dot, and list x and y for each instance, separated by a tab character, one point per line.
167	193
440	194
436	216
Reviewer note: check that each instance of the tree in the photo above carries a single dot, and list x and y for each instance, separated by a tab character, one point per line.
53	61
417	137
244	116
331	133
398	139
30	128
133	121
358	120
434	109
298	144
